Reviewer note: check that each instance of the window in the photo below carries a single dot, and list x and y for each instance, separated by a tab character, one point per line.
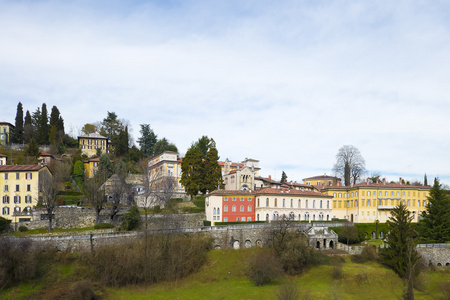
249	219
28	187
28	176
16	199
368	202
234	199
340	195
233	208
292	202
403	194
218	211
17	176
368	194
225	219
356	203
306	204
242	208
258	202
249	208
418	203
276	204
284	202
5	188
243	219
392	194
334	195
5	211
6	176
6	199
314	203
398	194
328	204
28	199
267	202
225	208
320	203
380	194
226	199
17	188
386	194
237	219
242	199
96	165
299	203
249	199
424	203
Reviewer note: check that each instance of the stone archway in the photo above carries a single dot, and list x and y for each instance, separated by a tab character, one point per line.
331	245
259	243
236	244
248	244
217	247
324	243
318	244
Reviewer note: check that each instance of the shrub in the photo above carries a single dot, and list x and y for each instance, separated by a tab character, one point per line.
103	226
132	219
337	271
17	263
4	224
156	209
263	268
289	291
369	253
206	223
23	228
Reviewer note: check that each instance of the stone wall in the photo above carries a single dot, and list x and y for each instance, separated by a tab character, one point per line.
172	221
435	255
71	217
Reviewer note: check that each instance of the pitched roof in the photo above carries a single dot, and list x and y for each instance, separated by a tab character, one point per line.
376	185
3	155
270	191
321	177
93	135
19	168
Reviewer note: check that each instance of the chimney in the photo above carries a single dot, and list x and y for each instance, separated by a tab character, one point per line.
367	181
400	180
384	181
270	177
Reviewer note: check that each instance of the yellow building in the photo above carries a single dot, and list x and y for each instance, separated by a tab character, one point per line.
19	190
93	141
321	180
370	202
6	133
91	167
166	164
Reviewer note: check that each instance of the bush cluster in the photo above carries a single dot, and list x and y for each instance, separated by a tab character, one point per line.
263	268
369	253
17	262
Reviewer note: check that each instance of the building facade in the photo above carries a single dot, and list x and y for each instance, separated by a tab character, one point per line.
19	190
369	202
6	133
242	176
93	141
3	159
321	180
91	167
163	167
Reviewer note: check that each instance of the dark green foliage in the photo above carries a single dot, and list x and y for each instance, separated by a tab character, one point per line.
105	168
17	264
103	226
435	222
191	167
78	173
18	130
32	149
120	142
199	201
425	180
132	219
134	154
283	177
263	268
211	172
401	249
203	144
43	129
163	145
147	140
111	126
348	234
23	228
28	129
206	223
4	224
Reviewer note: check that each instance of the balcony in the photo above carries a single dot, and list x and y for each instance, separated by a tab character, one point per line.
386	207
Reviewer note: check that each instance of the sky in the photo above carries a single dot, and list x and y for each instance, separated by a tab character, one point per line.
285	82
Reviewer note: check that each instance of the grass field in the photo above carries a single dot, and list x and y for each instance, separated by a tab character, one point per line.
224	278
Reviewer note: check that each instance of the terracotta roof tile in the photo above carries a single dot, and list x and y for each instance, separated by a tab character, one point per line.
15	168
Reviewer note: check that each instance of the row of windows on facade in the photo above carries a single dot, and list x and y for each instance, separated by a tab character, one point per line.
291	217
90	147
381	202
379	216
6	210
6	188
95	142
238	219
380	194
17	199
28	176
284	202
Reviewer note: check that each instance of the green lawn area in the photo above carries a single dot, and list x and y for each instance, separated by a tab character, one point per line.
56	230
223	277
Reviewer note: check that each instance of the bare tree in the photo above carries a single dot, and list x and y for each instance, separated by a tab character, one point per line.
50	183
350	164
94	190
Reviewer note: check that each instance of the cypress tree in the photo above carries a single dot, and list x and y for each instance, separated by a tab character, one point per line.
28	128
283	177
211	172
43	130
191	167
18	130
425	180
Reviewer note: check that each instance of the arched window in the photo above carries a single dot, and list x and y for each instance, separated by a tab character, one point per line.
276	202
292	202
225	208
284	202
218	211
267	202
320	203
299	203
214	211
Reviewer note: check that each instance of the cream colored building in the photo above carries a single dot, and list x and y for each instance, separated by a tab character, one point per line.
19	190
93	141
166	164
369	202
242	177
3	159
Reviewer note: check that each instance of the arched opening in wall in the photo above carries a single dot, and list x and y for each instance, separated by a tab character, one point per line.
324	243
267	217
259	243
236	245
373	235
257	217
248	244
381	234
439	265
318	244
447	264
351	218
217	247
331	245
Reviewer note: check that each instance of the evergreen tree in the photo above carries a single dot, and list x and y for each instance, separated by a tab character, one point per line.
211	172
283	177
105	168
32	148
18	130
121	142
163	145
111	126
78	173
435	222
28	130
57	121
400	255
36	118
191	168
203	144
425	180
147	140
43	130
